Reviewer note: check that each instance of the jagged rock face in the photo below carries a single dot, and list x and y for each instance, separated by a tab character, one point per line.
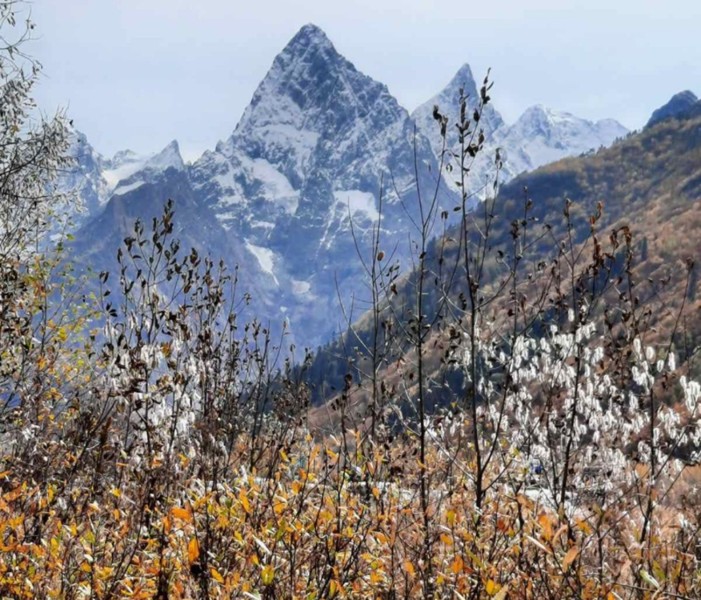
95	179
96	244
85	178
678	105
317	143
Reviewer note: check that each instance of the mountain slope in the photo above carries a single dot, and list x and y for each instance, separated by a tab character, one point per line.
650	183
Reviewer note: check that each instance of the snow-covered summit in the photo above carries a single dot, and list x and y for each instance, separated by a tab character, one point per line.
314	121
135	171
168	158
542	135
448	103
539	136
309	35
315	144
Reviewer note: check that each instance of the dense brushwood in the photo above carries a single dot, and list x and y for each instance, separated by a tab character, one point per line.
516	421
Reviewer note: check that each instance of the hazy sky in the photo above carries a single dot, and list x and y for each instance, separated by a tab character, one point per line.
138	73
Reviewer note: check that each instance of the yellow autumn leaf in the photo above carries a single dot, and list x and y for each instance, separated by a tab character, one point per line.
243	498
181	513
409	568
268	574
584	527
546	524
12	495
569	557
193	550
381	538
458	565
491	587
216	575
222	521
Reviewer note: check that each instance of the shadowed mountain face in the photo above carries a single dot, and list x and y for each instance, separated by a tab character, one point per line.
678	105
293	195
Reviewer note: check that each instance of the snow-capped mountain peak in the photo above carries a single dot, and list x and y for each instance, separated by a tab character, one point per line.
463	79
168	158
313	118
448	103
134	172
543	114
309	35
310	152
542	135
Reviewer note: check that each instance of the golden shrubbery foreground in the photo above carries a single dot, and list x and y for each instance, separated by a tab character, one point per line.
307	531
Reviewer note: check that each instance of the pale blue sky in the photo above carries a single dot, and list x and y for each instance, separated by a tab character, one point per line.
138	73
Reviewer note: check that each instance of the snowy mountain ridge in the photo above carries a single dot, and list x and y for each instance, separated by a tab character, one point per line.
543	135
539	136
292	194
